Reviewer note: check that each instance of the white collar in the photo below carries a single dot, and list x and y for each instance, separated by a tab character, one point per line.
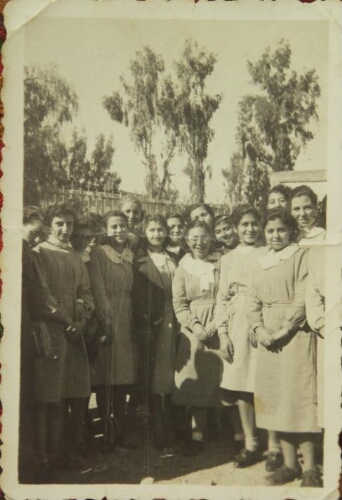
160	259
273	258
312	232
201	269
56	243
245	249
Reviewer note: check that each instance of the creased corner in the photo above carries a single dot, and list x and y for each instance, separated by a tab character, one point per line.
19	13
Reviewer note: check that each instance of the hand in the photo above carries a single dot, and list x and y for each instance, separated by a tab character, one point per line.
281	333
253	338
74	331
210	329
80	310
199	332
227	348
264	337
107	335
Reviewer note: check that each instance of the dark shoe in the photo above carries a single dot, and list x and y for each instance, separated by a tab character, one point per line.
238	446
283	475
274	460
62	461
246	458
193	448
312	479
43	474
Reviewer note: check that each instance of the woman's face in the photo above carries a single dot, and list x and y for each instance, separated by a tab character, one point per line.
276	200
248	230
62	227
277	235
176	229
155	234
224	233
304	211
201	214
133	213
33	230
82	239
117	229
199	242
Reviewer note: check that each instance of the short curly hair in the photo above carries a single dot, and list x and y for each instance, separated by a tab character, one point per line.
286	218
58	210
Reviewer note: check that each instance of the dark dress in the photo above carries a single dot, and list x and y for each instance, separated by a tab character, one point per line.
61	279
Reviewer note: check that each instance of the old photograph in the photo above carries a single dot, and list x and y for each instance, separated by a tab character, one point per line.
171	269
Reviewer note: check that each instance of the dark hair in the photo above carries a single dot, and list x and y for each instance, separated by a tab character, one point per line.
190	209
281	189
242	210
32	213
58	210
199	223
98	220
286	218
114	213
304	191
175	216
222	218
85	221
160	219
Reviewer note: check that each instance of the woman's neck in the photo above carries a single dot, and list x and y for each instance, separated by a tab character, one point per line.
118	247
154	249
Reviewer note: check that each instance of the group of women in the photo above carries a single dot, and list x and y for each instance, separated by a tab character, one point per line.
177	317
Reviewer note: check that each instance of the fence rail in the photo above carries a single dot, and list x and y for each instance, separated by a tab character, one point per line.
99	202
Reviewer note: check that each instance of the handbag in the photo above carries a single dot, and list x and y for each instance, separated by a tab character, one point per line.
42	340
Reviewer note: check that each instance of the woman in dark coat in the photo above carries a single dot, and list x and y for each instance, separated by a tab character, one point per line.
156	326
63	303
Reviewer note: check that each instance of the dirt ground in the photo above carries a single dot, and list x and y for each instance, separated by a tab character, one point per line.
213	466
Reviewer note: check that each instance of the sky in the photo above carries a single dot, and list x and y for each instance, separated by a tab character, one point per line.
92	53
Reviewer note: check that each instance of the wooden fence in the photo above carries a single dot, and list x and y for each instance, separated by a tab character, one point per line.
99	202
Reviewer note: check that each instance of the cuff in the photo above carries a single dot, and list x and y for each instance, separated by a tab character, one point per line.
256	325
193	323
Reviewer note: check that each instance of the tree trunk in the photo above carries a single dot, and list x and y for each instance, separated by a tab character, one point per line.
197	187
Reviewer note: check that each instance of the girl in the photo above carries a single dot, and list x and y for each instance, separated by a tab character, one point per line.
279	196
233	327
198	362
304	210
200	212
156	326
175	240
63	304
285	383
224	233
114	371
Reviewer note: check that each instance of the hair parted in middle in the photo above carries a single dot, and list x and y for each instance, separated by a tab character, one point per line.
280	213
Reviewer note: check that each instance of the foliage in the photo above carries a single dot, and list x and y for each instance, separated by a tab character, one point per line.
49	103
273	125
167	115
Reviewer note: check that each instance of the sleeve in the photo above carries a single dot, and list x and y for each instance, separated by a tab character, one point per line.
83	291
314	299
44	304
254	306
296	314
96	273
223	298
181	303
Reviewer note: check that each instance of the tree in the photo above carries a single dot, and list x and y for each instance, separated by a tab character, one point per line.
146	106
274	125
195	111
49	102
96	173
233	178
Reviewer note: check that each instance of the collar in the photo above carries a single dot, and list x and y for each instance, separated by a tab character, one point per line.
245	249
56	243
273	258
159	259
204	270
116	257
313	232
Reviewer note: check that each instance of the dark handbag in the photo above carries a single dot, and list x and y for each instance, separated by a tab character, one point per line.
42	340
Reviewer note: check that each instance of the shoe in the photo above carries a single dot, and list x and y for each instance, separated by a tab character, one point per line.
283	475
246	458
193	448
62	461
274	460
238	446
312	479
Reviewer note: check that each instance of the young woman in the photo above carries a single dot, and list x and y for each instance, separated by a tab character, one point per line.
198	362
233	328
156	327
224	233
63	304
114	370
200	212
285	382
304	210
33	222
279	196
175	241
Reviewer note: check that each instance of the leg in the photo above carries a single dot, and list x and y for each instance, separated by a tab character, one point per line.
42	470
291	469
311	476
119	410
156	406
198	425
104	405
274	457
237	428
250	454
77	410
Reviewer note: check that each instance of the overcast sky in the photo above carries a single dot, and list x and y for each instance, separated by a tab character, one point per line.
92	53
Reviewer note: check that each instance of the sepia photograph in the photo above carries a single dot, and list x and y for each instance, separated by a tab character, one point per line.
172	250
